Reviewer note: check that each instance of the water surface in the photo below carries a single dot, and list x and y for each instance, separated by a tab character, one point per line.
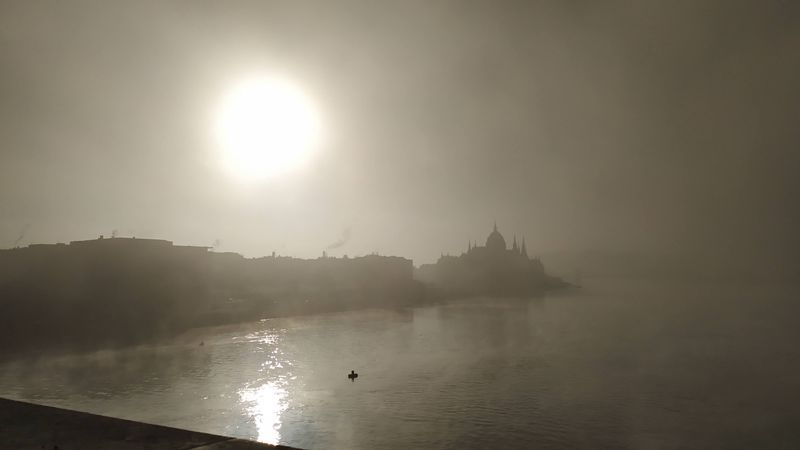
617	365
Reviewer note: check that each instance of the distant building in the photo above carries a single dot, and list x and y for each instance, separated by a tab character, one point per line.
119	290
492	269
101	291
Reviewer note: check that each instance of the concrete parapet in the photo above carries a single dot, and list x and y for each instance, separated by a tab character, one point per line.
26	426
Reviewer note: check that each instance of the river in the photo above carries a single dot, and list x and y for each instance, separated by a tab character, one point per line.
618	364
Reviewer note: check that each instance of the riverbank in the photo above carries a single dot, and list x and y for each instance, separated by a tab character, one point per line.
30	426
36	344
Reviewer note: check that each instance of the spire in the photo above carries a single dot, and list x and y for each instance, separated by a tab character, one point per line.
495	225
524	251
514	246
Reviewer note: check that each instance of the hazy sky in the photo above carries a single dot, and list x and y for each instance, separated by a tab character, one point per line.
635	126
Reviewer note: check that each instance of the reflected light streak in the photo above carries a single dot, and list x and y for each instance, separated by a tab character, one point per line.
267	403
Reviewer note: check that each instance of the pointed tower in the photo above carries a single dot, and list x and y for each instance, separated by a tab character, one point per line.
524	251
514	246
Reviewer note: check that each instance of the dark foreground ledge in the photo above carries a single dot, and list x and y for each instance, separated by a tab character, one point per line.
27	426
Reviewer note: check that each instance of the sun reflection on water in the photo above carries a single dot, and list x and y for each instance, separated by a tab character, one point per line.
266	398
266	404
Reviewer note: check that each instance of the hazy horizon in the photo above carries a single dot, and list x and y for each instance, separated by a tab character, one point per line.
635	127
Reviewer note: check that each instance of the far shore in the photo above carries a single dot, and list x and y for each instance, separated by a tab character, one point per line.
36	349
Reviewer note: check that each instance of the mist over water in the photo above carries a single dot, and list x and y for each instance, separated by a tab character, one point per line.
341	156
620	364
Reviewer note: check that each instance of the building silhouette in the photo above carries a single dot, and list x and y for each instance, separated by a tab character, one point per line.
122	290
492	269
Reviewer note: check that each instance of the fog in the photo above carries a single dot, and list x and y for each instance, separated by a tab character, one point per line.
621	365
645	127
599	183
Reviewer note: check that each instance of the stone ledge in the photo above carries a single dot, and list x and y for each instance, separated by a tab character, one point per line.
29	426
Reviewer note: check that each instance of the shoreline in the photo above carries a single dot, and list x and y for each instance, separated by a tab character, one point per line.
83	348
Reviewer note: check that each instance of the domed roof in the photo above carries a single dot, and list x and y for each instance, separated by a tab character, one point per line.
495	241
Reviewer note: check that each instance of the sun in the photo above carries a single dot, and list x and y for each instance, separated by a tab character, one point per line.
265	127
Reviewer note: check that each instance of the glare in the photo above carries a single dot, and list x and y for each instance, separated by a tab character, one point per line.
266	404
265	127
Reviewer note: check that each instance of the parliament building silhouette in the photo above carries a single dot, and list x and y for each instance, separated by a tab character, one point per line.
492	269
